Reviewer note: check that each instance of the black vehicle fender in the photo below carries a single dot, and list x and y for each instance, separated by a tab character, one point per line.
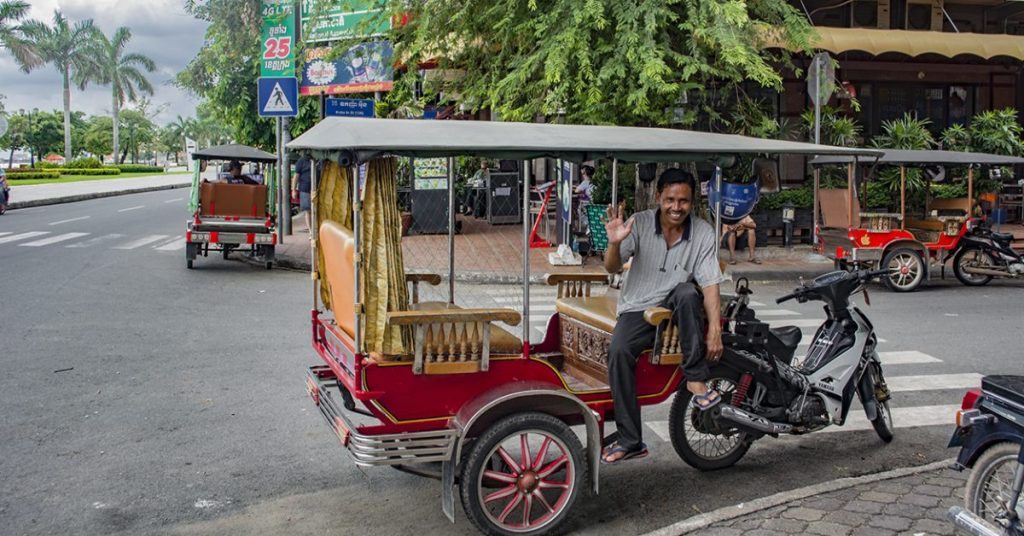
487	408
866	390
978	438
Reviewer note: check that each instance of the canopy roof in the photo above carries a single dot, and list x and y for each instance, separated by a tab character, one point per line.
912	42
234	151
901	157
361	139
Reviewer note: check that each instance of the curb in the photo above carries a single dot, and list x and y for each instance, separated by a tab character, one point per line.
727	513
94	195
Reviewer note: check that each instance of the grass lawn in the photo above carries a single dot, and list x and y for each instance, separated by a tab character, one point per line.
77	178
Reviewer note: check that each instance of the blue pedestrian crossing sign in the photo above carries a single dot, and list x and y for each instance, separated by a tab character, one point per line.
278	96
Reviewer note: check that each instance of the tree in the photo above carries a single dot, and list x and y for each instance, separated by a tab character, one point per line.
98	139
141	132
11	11
16	137
44	133
123	71
69	48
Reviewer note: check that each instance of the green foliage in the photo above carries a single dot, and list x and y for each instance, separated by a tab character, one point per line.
907	132
43	164
84	163
997	132
138	168
17	174
800	198
596	62
603	184
90	171
949	191
98	137
836	129
956	138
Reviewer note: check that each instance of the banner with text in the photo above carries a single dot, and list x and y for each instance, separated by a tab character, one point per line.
277	39
342	20
364	68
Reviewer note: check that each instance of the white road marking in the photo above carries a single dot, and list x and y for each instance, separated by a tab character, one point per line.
80	218
5	233
22	236
173	245
53	240
934	382
901	418
906	357
141	242
95	240
777	312
800	322
756	304
173	200
132	208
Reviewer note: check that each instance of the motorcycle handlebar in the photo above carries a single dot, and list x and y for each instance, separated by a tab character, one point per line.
786	298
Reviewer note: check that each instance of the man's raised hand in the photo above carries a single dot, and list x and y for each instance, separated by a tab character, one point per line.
614	227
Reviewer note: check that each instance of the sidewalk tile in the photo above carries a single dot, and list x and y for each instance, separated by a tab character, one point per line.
825	528
803	514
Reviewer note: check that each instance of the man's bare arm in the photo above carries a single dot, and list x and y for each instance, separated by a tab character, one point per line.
612	260
713	312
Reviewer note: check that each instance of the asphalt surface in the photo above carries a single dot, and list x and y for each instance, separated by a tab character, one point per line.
143	398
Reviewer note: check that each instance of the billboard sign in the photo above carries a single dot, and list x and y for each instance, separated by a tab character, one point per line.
363	68
277	38
342	20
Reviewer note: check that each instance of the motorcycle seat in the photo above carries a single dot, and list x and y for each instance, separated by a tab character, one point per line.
783	342
1002	237
1008	386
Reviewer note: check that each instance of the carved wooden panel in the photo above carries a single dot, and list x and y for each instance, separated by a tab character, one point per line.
584	346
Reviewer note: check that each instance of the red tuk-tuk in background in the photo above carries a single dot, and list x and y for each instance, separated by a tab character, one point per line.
906	244
450	387
228	216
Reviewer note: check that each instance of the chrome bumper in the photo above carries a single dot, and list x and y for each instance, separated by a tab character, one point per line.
369	450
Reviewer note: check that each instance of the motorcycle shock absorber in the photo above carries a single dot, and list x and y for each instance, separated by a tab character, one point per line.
740	394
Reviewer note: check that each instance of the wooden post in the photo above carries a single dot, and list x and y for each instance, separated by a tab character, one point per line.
817	186
970	191
849	190
903	196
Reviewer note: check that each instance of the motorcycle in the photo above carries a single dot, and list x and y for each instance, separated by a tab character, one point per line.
983	254
5	193
990	434
765	393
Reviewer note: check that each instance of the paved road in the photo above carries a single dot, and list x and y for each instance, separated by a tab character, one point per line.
179	407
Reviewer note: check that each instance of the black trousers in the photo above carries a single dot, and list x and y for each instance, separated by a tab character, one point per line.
633	335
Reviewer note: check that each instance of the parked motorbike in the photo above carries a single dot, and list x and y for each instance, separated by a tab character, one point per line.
983	254
765	393
990	434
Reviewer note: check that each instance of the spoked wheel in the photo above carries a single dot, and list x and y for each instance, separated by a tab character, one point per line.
523	475
972	258
698	439
883	416
991	482
906	270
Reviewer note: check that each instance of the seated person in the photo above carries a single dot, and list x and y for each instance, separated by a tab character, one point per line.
235	175
746	226
674	265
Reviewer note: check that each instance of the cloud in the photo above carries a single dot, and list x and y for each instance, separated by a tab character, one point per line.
160	29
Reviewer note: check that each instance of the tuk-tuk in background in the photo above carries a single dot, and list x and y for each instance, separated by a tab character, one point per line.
228	216
424	380
905	242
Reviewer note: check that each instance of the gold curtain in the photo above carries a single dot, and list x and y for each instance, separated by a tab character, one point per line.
383	269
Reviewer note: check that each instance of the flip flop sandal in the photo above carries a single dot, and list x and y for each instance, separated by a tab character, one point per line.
732	261
614	448
706	401
755	260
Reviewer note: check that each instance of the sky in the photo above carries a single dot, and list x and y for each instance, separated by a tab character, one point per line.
160	29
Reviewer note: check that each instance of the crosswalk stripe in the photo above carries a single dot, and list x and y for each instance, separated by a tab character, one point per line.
173	245
141	242
95	240
777	312
906	357
901	418
52	240
80	218
5	233
756	303
801	322
22	236
132	208
934	382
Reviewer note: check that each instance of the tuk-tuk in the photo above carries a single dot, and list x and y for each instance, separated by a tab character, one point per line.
228	214
443	389
906	244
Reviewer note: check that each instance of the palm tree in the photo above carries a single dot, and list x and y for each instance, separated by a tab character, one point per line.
11	11
122	72
65	46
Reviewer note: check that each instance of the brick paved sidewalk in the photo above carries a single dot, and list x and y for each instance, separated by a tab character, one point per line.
907	505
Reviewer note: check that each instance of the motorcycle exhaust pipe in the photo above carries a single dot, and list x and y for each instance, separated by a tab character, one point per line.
749	421
985	271
971	523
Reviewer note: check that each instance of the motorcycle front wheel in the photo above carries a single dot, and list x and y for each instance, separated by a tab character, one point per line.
697	438
991	482
883	416
974	258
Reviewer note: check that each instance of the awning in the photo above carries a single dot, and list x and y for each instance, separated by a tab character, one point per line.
355	140
234	151
913	42
900	157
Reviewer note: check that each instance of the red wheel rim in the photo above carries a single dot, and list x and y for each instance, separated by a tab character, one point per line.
529	483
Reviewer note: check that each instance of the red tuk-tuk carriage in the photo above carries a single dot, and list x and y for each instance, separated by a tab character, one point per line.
228	216
418	384
906	244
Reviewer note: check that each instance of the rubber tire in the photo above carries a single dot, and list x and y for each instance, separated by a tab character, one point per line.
225	252
498	432
882	427
987	463
677	427
920	265
963	277
190	254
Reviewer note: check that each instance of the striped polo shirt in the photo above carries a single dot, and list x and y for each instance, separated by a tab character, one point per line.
657	267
